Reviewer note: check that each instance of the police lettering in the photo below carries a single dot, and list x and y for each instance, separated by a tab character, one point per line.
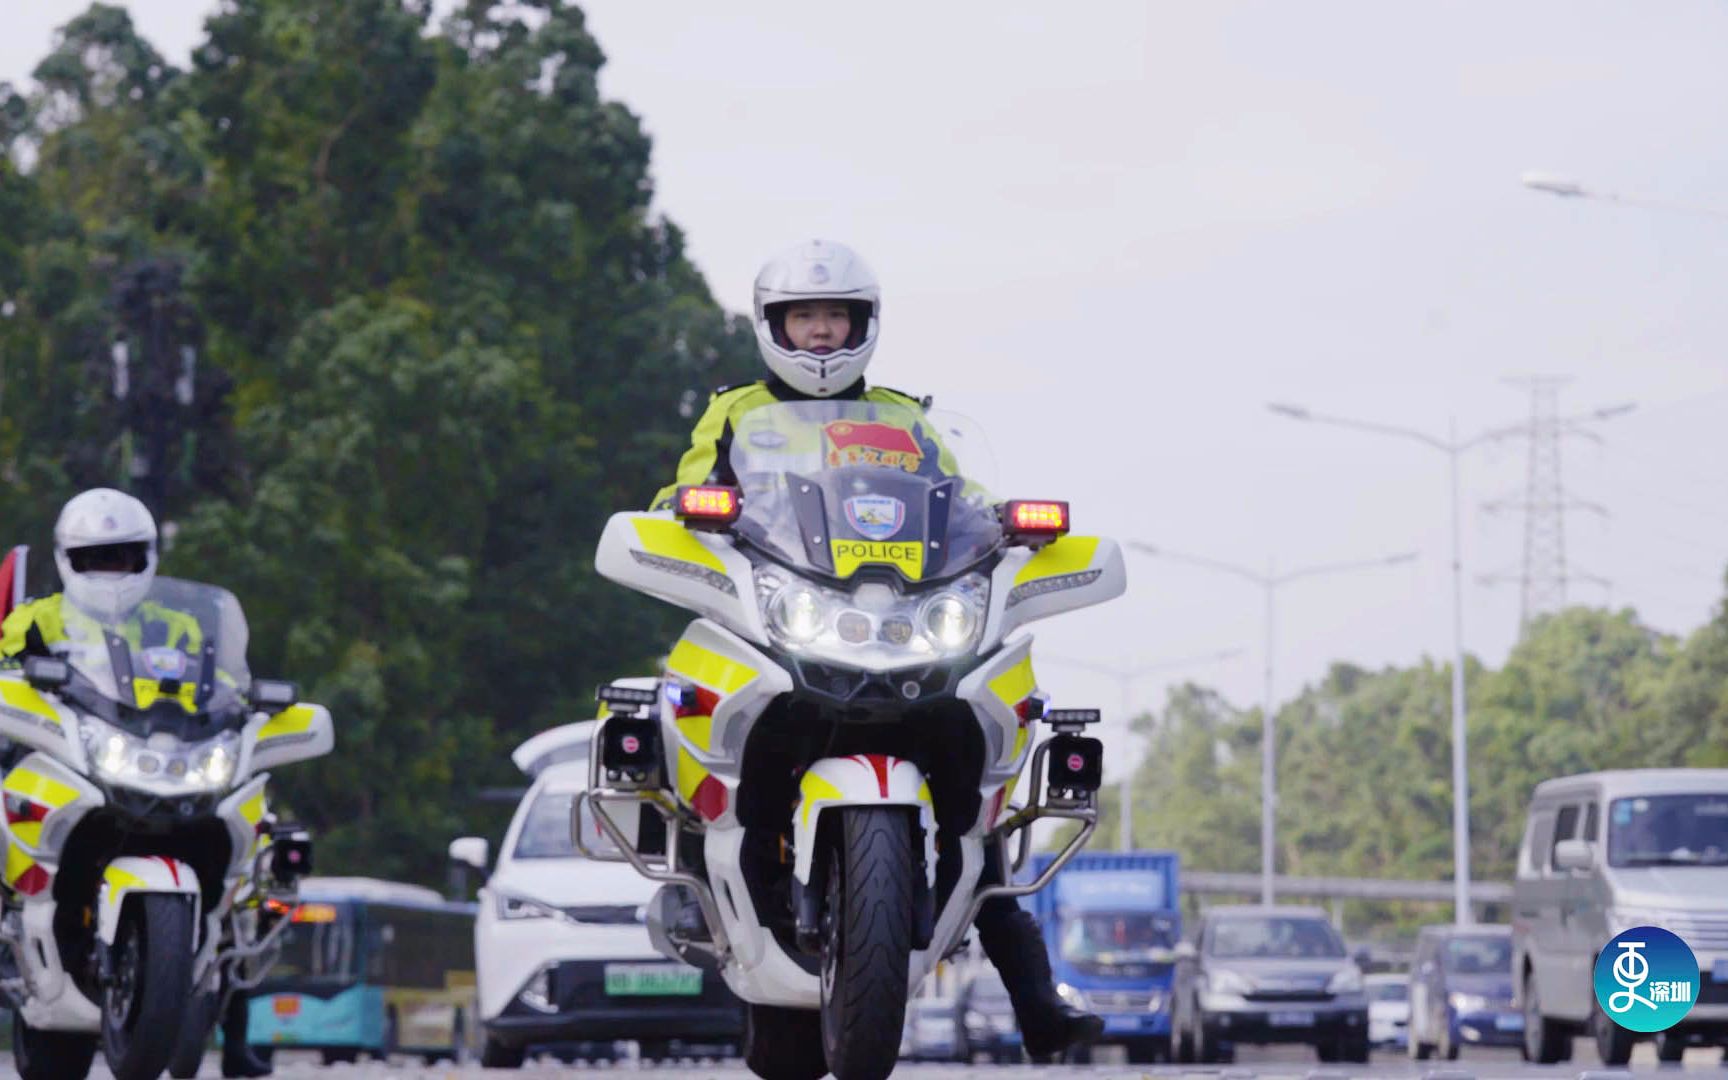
865	551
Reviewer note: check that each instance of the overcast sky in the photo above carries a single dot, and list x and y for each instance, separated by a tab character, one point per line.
1112	232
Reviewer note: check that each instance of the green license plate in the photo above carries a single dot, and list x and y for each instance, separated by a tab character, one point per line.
642	980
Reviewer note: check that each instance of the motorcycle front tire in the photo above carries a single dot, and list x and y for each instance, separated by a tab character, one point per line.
144	1009
867	944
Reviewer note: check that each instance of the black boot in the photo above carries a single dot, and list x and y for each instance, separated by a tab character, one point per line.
1048	1025
237	1056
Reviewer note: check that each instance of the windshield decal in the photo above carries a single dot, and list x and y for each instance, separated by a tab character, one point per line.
852	442
876	517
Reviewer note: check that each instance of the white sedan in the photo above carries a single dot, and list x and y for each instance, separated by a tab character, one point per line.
562	953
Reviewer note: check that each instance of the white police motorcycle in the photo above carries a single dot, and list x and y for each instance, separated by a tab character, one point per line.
835	741
143	873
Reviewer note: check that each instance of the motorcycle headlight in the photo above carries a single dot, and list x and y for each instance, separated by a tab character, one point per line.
161	762
796	611
950	621
873	627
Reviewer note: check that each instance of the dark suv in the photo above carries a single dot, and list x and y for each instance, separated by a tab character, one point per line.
1268	975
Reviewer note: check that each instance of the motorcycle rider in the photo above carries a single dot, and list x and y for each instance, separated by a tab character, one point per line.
818	314
105	551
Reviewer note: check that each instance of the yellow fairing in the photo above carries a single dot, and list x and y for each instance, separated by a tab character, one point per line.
670	540
26	783
23	697
708	668
1067	555
294	720
1016	684
813	789
849	555
690	775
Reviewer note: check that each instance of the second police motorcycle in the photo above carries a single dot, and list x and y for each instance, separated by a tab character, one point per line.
836	740
144	875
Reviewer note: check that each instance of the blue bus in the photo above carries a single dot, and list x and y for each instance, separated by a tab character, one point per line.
371	967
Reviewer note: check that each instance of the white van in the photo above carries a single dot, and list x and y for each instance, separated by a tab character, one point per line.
1604	852
561	948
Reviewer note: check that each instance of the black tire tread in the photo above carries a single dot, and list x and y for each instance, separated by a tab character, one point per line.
861	1031
784	1044
51	1055
165	920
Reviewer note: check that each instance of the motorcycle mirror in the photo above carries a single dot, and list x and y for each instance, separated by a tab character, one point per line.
272	694
47	672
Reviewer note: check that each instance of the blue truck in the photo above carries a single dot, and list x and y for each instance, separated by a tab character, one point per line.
1111	922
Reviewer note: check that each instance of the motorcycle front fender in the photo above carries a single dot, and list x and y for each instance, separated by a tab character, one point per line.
858	780
134	875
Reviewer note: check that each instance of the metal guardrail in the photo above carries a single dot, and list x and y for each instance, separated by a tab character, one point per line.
1439	892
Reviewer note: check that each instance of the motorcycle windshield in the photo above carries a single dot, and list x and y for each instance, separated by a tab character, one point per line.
186	642
834	487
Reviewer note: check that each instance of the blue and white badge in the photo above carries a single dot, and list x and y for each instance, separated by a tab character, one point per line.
876	517
1646	979
165	663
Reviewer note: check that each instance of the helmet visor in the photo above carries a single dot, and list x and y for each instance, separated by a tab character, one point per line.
129	558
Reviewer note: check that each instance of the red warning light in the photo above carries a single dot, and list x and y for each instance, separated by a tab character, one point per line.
708	504
1029	519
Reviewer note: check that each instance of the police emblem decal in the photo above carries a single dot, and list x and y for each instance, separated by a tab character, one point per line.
875	517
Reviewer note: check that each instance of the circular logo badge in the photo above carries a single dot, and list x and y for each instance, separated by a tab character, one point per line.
1646	979
1076	763
631	744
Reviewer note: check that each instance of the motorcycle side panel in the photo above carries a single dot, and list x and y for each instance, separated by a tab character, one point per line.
133	875
1069	573
242	812
702	572
53	1002
859	780
48	799
1001	692
734	683
31	718
296	733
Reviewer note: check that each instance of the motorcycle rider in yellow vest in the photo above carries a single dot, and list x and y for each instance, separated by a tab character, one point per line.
818	313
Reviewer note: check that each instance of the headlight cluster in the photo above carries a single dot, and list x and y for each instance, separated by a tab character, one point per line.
161	762
510	907
1468	1003
1622	919
1348	981
874	625
1225	981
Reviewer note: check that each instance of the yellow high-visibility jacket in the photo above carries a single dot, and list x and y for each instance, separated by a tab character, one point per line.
706	460
151	625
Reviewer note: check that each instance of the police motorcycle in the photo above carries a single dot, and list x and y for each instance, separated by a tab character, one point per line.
835	742
143	875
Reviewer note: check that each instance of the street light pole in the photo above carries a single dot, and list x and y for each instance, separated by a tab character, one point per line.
1125	677
1451	447
1270	582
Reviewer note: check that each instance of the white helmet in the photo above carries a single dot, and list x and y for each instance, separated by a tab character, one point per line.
105	548
815	270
